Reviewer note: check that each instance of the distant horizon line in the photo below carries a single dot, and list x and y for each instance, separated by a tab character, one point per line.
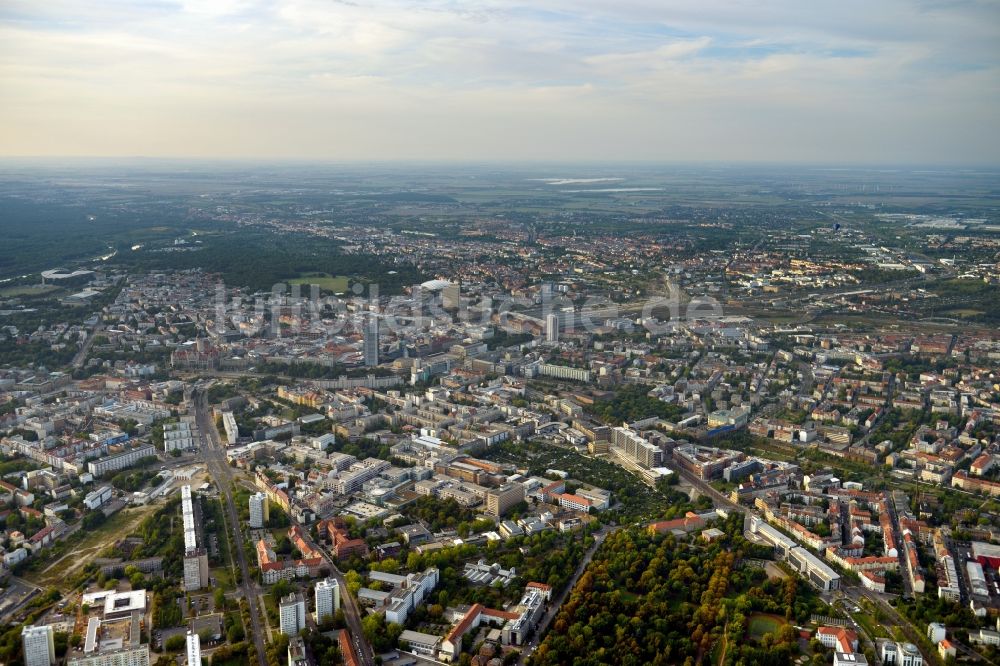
588	162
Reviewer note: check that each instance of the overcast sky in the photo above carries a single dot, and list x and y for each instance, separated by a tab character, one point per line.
845	81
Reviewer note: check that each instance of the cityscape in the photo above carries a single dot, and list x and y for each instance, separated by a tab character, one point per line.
415	333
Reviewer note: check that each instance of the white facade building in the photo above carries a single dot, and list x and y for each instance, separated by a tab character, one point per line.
900	654
292	615
258	511
120	461
39	646
552	328
327	599
97	497
178	436
195	558
193	649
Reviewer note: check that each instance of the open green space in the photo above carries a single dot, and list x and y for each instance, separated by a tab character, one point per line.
868	623
71	554
759	624
28	290
325	281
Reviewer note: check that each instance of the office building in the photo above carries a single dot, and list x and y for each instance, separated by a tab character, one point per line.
631	445
528	612
706	462
900	654
410	592
259	513
811	567
327	599
292	614
353	479
500	500
178	437
39	646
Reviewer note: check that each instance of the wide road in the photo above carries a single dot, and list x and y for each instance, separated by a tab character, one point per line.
703	487
362	649
556	604
218	468
81	355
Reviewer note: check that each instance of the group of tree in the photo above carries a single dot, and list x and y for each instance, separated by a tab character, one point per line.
439	514
632	403
652	599
261	259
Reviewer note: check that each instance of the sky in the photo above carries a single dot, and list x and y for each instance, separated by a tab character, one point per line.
838	82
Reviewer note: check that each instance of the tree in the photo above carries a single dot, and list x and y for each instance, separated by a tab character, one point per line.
235	633
353	579
174	643
61	641
281	589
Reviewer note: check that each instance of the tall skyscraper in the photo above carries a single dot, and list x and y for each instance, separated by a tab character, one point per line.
327	599
39	646
259	511
193	649
552	328
292	614
371	342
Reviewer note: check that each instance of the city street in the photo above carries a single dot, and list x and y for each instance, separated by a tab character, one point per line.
352	613
215	458
557	603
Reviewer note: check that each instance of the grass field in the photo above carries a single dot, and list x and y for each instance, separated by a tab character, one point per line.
326	282
874	628
224	578
85	547
763	623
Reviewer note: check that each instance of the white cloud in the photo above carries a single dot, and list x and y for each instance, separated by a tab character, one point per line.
713	79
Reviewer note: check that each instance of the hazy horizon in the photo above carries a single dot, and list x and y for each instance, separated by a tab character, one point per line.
514	164
898	83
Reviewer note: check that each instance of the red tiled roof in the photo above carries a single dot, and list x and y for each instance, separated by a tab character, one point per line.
456	633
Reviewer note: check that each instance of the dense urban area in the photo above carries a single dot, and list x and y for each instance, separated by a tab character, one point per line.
496	416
